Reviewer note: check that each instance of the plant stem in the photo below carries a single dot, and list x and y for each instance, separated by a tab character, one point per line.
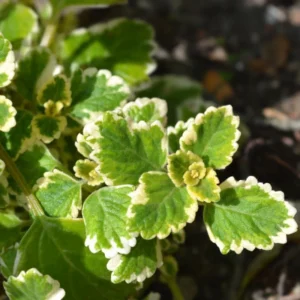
34	204
173	286
48	35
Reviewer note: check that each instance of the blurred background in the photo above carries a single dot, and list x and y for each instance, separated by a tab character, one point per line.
245	53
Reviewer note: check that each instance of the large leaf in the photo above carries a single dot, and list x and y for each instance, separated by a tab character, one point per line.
56	247
125	152
213	136
138	265
249	215
35	161
32	285
18	22
59	194
7	62
94	92
10	229
35	69
104	214
7	114
122	46
158	207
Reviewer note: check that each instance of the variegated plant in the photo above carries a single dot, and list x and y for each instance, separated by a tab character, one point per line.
103	187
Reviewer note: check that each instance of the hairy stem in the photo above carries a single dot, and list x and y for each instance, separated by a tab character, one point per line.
48	35
173	286
34	204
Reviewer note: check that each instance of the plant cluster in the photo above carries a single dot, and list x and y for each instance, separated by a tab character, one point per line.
95	188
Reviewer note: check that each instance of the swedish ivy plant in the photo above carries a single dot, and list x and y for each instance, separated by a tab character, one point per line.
95	189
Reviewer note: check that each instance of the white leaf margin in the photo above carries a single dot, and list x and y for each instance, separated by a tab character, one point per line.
190	136
117	260
161	107
280	238
8	66
57	293
11	121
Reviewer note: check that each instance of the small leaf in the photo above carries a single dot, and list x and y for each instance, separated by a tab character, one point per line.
35	161
59	194
7	114
7	62
158	207
175	133
178	91
104	214
83	145
169	268
7	259
139	264
10	229
18	22
33	285
123	46
145	109
96	93
20	137
213	136
249	215
88	170
207	190
125	152
56	247
47	128
58	89
179	163
35	69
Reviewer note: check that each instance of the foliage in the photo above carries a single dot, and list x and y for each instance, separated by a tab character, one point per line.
100	228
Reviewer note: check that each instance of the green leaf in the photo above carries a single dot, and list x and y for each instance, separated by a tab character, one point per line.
58	89
59	5
145	109
122	46
213	136
32	285
139	264
88	170
18	22
104	214
178	91
20	137
35	69
56	247
7	62
170	267
59	194
175	133
7	259
48	128
124	152
207	190
158	207
249	215
95	93
35	161
7	114
82	143
4	197
179	163
10	229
